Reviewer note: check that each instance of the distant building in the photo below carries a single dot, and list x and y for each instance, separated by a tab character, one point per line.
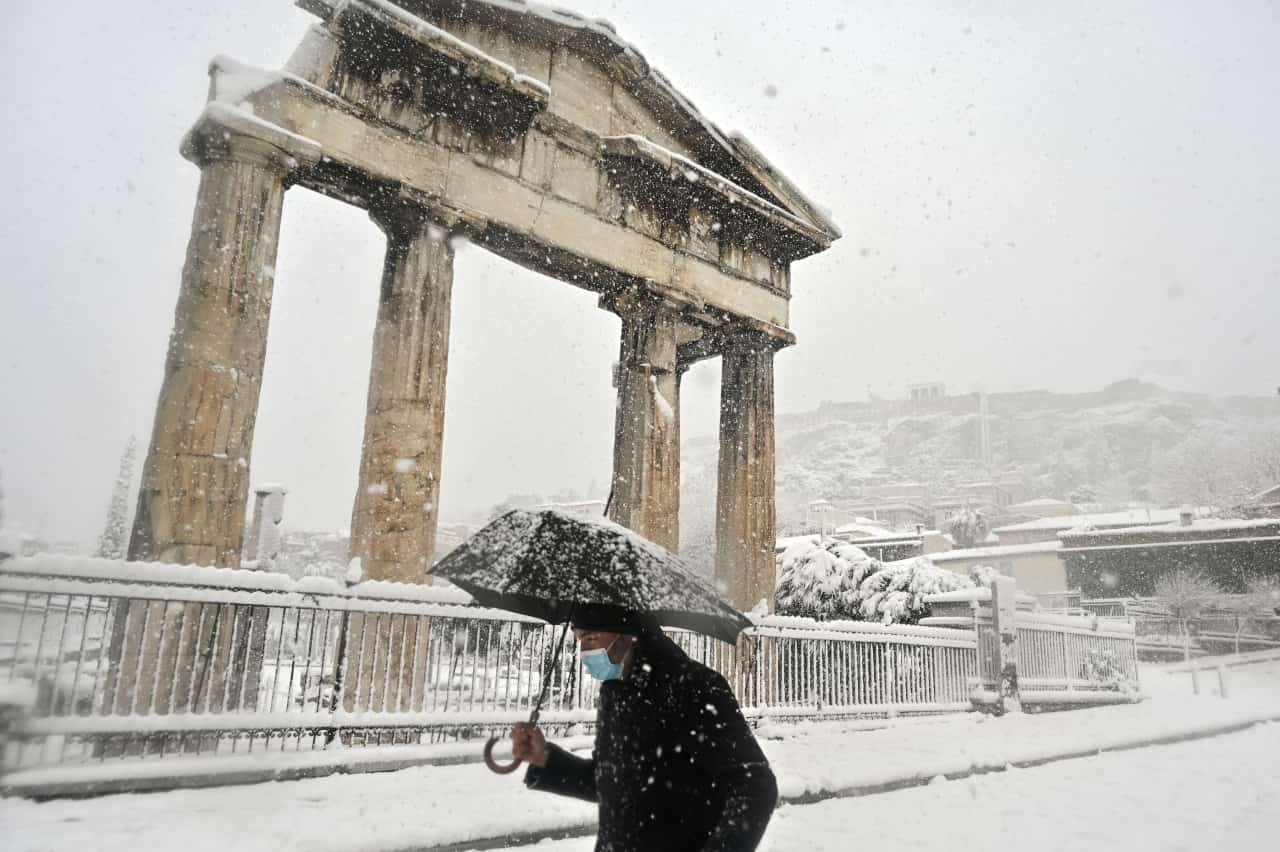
917	491
946	508
1047	529
1037	568
886	546
584	508
449	536
988	493
1043	507
1129	561
927	390
861	528
896	514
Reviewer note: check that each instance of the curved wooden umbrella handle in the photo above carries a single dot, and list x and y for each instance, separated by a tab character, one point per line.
493	765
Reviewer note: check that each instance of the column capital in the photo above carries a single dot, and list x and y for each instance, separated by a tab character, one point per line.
225	133
633	300
749	336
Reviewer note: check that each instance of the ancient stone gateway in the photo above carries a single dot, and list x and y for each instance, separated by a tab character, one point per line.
541	136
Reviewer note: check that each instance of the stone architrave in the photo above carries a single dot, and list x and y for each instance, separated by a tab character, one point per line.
745	509
191	505
393	521
646	447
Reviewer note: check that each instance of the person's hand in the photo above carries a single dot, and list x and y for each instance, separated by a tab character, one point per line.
528	744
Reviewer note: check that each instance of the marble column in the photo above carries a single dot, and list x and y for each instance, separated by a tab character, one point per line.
191	506
393	521
646	447
745	511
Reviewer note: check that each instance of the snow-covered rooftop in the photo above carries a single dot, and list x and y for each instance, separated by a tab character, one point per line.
1199	525
1126	517
1006	550
1038	503
864	529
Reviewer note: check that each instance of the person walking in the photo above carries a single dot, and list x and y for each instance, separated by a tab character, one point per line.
675	766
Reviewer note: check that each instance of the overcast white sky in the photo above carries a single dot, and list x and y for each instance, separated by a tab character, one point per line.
1033	194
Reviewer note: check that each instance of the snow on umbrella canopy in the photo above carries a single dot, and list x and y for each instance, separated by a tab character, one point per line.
545	563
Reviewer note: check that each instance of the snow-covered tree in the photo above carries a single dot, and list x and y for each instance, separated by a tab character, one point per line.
895	594
821	581
1187	593
969	528
114	540
1263	464
1255	608
1218	467
838	580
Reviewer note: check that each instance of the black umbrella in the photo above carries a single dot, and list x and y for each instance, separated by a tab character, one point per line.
548	564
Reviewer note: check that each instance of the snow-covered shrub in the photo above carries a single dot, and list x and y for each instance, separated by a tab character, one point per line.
821	580
838	580
983	575
1103	666
895	594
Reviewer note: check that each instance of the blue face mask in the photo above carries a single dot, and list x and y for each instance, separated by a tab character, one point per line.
598	664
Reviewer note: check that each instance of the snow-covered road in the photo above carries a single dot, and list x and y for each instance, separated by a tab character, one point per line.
1221	793
438	805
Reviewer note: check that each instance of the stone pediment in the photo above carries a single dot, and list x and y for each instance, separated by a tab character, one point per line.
592	79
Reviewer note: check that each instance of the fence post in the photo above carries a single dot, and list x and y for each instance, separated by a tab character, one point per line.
1004	611
1066	662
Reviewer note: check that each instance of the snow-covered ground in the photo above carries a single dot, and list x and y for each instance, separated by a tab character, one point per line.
436	805
1210	794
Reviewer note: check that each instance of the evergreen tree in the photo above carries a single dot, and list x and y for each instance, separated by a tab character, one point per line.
838	580
969	528
114	540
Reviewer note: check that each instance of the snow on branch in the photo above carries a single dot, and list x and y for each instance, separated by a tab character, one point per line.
835	580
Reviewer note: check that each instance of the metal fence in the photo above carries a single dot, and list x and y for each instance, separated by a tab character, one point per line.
151	661
1227	624
142	662
1060	658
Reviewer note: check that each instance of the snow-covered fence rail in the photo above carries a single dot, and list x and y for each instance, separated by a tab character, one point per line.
145	660
1067	659
1059	659
136	662
796	667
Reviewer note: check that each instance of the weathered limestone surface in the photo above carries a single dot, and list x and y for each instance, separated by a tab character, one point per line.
646	440
393	522
514	212
191	506
745	511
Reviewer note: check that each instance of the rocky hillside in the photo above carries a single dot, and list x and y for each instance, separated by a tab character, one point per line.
1128	441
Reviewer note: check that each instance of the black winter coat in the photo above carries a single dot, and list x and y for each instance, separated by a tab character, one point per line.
675	767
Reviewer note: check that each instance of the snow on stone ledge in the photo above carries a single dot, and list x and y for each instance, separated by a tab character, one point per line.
232	82
206	576
694	172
